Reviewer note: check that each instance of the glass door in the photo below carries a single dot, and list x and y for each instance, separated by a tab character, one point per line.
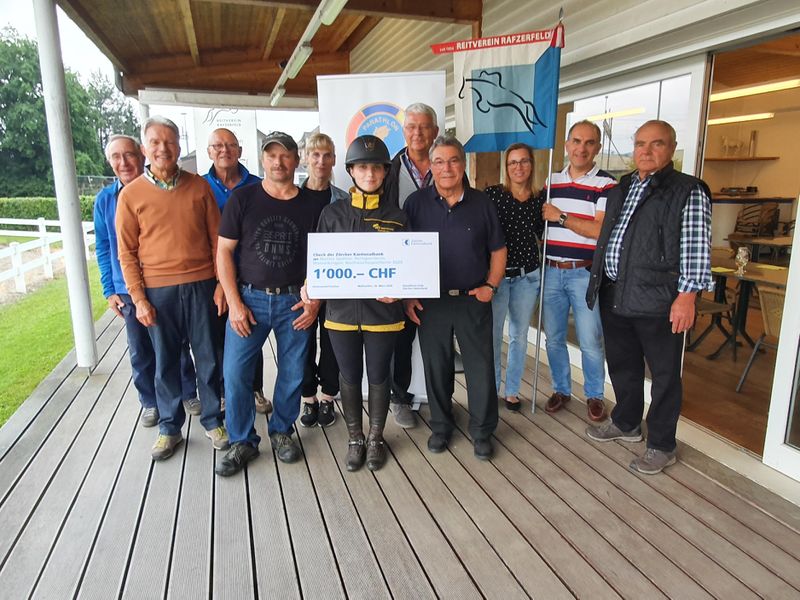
782	444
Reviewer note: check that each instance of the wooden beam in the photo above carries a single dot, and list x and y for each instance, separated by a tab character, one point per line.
318	64
366	25
188	24
449	11
76	12
280	13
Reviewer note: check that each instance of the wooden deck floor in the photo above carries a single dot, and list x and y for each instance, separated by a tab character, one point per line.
85	513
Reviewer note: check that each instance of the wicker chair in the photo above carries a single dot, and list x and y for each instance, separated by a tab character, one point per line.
772	300
753	221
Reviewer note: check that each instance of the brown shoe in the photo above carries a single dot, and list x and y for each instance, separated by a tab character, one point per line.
596	409
556	402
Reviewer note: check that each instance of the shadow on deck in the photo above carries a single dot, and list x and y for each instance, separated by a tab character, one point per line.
85	513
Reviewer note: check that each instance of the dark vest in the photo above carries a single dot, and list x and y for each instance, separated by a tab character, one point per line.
649	263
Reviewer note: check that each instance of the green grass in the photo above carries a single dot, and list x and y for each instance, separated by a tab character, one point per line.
36	334
7	239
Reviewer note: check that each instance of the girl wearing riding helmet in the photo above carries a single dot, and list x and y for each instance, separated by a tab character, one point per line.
359	327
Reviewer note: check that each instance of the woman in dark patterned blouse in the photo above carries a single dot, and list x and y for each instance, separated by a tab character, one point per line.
519	207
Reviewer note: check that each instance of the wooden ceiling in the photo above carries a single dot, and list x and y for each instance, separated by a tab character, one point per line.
774	60
238	45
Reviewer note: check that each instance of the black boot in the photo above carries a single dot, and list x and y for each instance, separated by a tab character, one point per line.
378	401
352	406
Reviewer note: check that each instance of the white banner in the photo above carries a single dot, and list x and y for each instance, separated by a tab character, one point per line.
374	103
243	125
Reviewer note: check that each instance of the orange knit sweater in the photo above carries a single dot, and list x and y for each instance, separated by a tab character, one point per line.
166	237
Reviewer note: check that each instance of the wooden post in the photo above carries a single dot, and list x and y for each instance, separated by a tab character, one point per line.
16	264
48	259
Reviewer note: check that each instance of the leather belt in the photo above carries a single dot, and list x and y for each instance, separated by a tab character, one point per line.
275	291
569	264
457	292
517	272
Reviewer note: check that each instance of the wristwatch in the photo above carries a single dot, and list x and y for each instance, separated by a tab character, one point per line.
563	218
494	288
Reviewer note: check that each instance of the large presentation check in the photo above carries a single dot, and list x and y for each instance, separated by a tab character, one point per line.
373	265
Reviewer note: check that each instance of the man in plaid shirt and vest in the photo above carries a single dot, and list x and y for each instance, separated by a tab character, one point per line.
653	257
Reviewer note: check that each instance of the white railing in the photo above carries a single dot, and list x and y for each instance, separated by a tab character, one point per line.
44	240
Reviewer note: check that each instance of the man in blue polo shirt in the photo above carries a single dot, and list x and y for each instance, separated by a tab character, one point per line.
472	261
225	175
127	162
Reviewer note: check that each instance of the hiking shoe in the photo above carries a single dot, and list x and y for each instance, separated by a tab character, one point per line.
653	461
326	415
218	437
608	432
310	414
285	447
263	404
192	406
403	415
149	417
235	459
165	446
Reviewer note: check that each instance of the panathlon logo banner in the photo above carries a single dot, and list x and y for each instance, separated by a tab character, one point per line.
381	119
374	104
506	89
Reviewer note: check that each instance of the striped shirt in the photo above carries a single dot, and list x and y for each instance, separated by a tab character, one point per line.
581	198
695	260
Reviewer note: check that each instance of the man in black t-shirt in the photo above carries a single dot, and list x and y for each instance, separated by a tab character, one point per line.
269	224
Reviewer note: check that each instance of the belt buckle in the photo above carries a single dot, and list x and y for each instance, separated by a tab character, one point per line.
453	292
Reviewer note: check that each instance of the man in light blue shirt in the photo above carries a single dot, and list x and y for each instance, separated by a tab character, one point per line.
127	162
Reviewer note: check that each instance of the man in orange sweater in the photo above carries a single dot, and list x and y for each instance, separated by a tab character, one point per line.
166	223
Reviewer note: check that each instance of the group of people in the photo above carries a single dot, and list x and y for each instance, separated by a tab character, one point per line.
206	267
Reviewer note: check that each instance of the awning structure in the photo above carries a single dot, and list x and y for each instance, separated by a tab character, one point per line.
241	46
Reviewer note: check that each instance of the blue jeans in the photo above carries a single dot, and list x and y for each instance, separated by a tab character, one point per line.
272	313
143	359
565	288
516	297
185	311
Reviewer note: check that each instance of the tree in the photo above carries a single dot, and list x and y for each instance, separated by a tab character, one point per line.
117	114
25	164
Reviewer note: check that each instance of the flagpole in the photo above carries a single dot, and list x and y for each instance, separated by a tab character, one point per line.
543	264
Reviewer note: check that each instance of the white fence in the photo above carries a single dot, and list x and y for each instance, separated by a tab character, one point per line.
24	257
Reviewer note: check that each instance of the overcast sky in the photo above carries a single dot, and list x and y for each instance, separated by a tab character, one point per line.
82	56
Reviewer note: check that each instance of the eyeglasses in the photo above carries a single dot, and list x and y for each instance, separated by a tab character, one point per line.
518	163
218	147
440	163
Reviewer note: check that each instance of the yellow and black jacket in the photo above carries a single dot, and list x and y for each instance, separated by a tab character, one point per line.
365	212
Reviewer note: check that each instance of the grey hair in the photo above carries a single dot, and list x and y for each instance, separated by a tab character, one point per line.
451	141
119	136
419	108
673	138
164	122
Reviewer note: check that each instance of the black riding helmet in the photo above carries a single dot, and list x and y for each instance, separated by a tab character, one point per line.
367	149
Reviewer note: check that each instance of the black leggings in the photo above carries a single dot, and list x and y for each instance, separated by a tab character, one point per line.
349	348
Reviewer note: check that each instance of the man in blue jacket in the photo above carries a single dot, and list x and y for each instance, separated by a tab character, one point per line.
127	161
225	175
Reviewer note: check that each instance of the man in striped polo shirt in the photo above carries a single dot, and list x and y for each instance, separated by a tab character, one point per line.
575	212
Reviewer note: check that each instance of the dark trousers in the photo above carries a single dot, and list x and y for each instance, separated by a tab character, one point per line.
258	378
629	342
185	311
325	372
351	346
143	359
471	321
401	363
